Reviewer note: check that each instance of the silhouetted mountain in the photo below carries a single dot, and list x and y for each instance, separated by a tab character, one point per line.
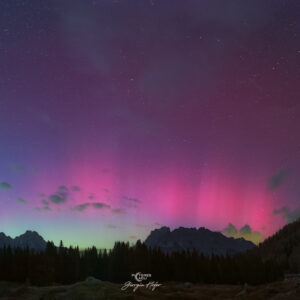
5	240
283	247
30	239
202	240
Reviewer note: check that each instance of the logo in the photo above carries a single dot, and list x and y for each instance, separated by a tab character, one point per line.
139	278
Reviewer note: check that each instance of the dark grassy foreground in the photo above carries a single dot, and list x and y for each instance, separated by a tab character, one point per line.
94	290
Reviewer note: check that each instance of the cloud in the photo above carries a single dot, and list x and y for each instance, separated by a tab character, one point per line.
5	186
111	226
60	196
95	205
57	199
135	200
91	197
17	168
47	208
62	192
287	214
81	207
106	190
118	211
245	232
131	202
63	188
132	237
246	229
45	202
284	210
100	205
230	230
277	180
75	188
21	200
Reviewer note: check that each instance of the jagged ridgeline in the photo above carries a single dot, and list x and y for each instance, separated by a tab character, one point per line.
201	240
30	239
68	265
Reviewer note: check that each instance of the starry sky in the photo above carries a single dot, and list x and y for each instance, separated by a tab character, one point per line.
121	116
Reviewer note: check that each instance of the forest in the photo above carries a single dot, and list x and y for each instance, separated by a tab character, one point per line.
62	265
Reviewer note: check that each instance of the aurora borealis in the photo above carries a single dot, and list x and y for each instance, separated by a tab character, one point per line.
118	117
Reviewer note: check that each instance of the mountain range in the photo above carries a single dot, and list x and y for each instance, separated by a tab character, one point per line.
30	239
202	240
284	246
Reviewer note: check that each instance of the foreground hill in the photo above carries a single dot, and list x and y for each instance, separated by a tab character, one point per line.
96	289
29	239
202	240
283	247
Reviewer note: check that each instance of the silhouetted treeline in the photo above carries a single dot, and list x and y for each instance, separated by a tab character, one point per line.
62	265
283	247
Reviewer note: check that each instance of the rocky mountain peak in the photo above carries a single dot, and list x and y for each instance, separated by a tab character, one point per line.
30	239
202	240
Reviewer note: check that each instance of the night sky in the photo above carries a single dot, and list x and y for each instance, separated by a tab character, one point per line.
118	117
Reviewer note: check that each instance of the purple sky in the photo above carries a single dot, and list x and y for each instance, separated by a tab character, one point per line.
118	117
